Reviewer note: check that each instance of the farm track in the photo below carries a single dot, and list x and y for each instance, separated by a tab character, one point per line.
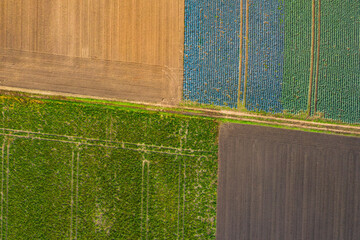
225	115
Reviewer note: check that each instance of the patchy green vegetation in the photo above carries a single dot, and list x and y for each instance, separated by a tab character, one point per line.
94	171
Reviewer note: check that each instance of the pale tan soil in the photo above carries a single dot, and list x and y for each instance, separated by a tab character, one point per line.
131	50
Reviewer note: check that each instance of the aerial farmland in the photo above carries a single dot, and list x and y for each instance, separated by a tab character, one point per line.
180	119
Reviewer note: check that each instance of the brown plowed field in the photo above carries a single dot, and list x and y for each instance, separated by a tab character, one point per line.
108	79
280	184
56	46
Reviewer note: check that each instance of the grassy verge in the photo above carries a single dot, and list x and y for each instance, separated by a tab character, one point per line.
222	114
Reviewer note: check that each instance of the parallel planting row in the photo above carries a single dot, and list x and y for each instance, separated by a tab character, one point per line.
275	56
87	171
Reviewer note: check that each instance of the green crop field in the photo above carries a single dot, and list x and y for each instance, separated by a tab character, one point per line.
91	171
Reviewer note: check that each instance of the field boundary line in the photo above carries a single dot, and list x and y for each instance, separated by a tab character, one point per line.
317	58
147	199
77	190
344	128
72	192
179	189
145	163
240	53
246	52
142	198
184	141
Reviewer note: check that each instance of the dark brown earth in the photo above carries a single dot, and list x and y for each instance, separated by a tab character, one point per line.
281	184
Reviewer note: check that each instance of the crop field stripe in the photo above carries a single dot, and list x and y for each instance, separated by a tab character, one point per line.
317	58
329	36
301	57
246	51
311	58
212	30
297	55
339	85
240	52
266	56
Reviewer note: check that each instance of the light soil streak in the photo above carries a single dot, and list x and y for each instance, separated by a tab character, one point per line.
2	185
246	52
7	187
317	58
184	188
312	58
145	163
179	189
241	44
72	192
147	200
77	190
142	196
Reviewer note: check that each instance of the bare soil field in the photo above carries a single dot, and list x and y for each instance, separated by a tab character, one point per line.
130	50
101	78
281	184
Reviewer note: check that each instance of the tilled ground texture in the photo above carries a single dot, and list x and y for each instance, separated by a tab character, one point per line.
93	77
284	184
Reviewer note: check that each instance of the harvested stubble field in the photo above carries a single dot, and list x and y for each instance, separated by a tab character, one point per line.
90	171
